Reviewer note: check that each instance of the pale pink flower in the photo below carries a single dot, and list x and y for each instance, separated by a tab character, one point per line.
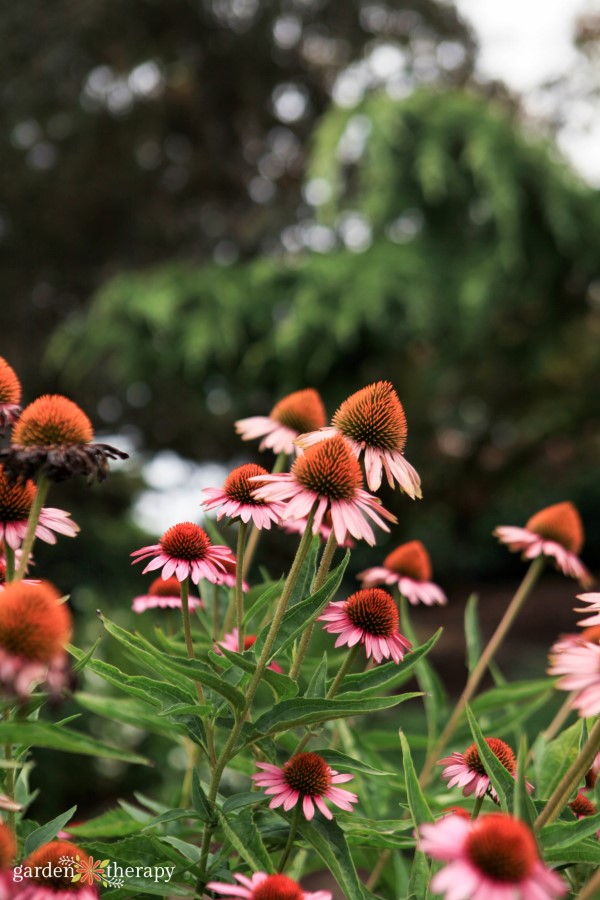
494	857
164	594
373	422
295	413
556	532
369	617
231	642
229	578
305	778
408	567
186	551
261	886
327	478
578	661
16	500
594	607
467	771
237	501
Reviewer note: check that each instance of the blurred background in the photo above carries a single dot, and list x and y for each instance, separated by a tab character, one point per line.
207	204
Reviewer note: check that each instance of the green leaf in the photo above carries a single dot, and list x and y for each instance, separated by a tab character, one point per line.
556	757
44	734
239	801
114	823
190	851
523	804
499	697
500	777
47	832
584	851
200	800
282	685
128	711
472	635
317	686
420	874
83	658
427	677
265	597
563	834
386	676
327	838
419	808
343	763
244	836
307	573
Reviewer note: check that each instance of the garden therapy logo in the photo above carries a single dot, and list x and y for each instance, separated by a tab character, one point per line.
89	870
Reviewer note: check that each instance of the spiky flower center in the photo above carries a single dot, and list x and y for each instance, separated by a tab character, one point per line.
502	848
278	887
168	587
301	411
33	622
47	859
238	487
591	635
561	523
411	560
15	499
52	421
8	847
10	386
500	750
373	417
185	541
581	806
329	469
307	773
373	611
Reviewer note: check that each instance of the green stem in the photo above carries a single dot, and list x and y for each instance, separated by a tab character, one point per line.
43	486
215	612
229	613
477	807
342	672
322	573
591	889
279	466
239	581
187	630
513	609
291	837
261	665
9	555
576	772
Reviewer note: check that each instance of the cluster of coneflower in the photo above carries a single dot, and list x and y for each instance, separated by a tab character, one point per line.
323	483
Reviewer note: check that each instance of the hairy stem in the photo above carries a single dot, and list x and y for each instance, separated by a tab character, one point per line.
43	486
279	466
571	779
239	581
187	630
322	573
291	837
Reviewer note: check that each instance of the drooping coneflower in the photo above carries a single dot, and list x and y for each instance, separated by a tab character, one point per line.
467	771
53	867
594	607
16	500
231	642
261	886
495	856
369	617
373	422
409	567
164	594
328	478
305	778
10	395
34	628
577	659
556	532
185	551
294	414
237	501
54	436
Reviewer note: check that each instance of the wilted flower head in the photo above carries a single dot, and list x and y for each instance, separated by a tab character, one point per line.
373	422
295	413
164	594
556	532
305	778
60	859
409	567
34	629
577	659
467	771
237	501
186	551
495	856
16	500
54	436
10	395
261	886
369	617
328	478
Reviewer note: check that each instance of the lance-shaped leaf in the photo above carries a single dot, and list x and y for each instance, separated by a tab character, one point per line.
44	734
244	836
500	777
387	676
327	838
47	832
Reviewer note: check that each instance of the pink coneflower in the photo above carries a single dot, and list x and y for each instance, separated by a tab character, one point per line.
369	617
237	501
185	550
231	642
298	412
409	567
164	594
494	857
305	777
467	771
16	501
373	422
265	887
327	477
34	628
594	607
578	661
581	807
10	395
59	858
555	531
